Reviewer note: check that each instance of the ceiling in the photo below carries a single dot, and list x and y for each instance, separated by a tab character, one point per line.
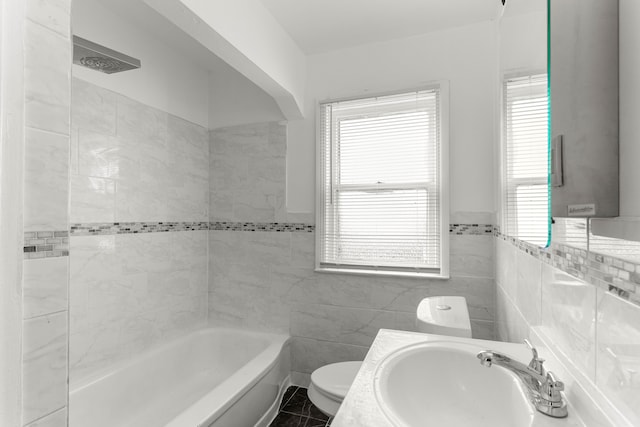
323	25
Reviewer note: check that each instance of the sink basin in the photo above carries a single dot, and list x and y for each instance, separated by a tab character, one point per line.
442	383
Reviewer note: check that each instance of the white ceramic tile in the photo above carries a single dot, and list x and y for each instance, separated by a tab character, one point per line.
188	198
472	218
308	354
57	419
248	139
136	121
92	350
285	279
302	217
506	266
483	330
189	250
510	325
53	14
91	258
142	201
188	146
220	205
44	365
191	137
339	324
303	247
92	199
47	79
45	283
46	194
248	165
74	162
229	173
346	291
269	248
618	353
131	292
258	207
471	256
248	305
93	108
568	316
392	294
144	253
102	155
528	288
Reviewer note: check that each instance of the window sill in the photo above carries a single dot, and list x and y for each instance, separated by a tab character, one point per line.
382	273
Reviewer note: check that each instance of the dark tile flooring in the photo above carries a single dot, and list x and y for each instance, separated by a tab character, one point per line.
296	410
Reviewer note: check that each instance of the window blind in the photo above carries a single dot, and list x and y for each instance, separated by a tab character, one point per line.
380	161
526	161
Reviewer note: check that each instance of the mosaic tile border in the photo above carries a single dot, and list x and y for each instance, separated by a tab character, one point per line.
471	229
45	244
603	271
277	227
457	229
108	228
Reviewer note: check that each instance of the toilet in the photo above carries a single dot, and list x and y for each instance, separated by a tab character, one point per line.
435	315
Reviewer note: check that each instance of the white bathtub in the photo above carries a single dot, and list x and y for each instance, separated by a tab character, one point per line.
212	377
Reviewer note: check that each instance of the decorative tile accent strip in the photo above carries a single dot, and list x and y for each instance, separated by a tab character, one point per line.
457	229
471	229
261	226
606	272
98	229
46	244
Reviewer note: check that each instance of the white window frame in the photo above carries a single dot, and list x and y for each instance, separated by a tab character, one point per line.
509	189
443	88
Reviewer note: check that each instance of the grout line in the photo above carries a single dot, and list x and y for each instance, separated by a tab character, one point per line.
46	415
290	397
45	315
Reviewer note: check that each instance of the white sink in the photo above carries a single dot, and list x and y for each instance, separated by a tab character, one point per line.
442	383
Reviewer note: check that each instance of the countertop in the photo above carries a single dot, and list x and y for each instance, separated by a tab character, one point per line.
360	408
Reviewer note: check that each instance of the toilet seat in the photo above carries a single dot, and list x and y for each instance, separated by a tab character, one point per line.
330	384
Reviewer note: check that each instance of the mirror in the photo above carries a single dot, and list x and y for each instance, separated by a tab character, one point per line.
524	113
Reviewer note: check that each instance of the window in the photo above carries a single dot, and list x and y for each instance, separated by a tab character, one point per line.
526	162
381	204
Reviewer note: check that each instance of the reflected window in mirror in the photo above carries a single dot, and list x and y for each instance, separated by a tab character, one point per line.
525	118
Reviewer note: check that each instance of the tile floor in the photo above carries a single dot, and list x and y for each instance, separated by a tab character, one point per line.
296	410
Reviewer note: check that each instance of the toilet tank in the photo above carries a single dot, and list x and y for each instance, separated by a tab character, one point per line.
444	315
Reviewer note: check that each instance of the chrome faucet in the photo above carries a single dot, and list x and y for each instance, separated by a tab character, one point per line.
542	387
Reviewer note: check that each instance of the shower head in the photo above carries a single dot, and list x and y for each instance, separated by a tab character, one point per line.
100	58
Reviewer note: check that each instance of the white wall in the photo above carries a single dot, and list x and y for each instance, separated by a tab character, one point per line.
522	47
167	80
255	44
523	42
466	56
629	108
235	100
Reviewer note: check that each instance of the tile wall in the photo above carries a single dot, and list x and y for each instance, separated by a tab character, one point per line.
582	294
261	274
139	220
46	198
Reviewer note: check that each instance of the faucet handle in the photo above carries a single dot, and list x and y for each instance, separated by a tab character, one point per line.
536	362
551	388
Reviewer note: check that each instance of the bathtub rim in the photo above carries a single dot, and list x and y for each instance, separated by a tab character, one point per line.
217	401
104	373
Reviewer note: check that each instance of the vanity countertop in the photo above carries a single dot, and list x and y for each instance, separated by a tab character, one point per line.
360	408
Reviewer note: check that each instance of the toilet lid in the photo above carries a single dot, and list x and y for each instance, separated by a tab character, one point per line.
335	379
